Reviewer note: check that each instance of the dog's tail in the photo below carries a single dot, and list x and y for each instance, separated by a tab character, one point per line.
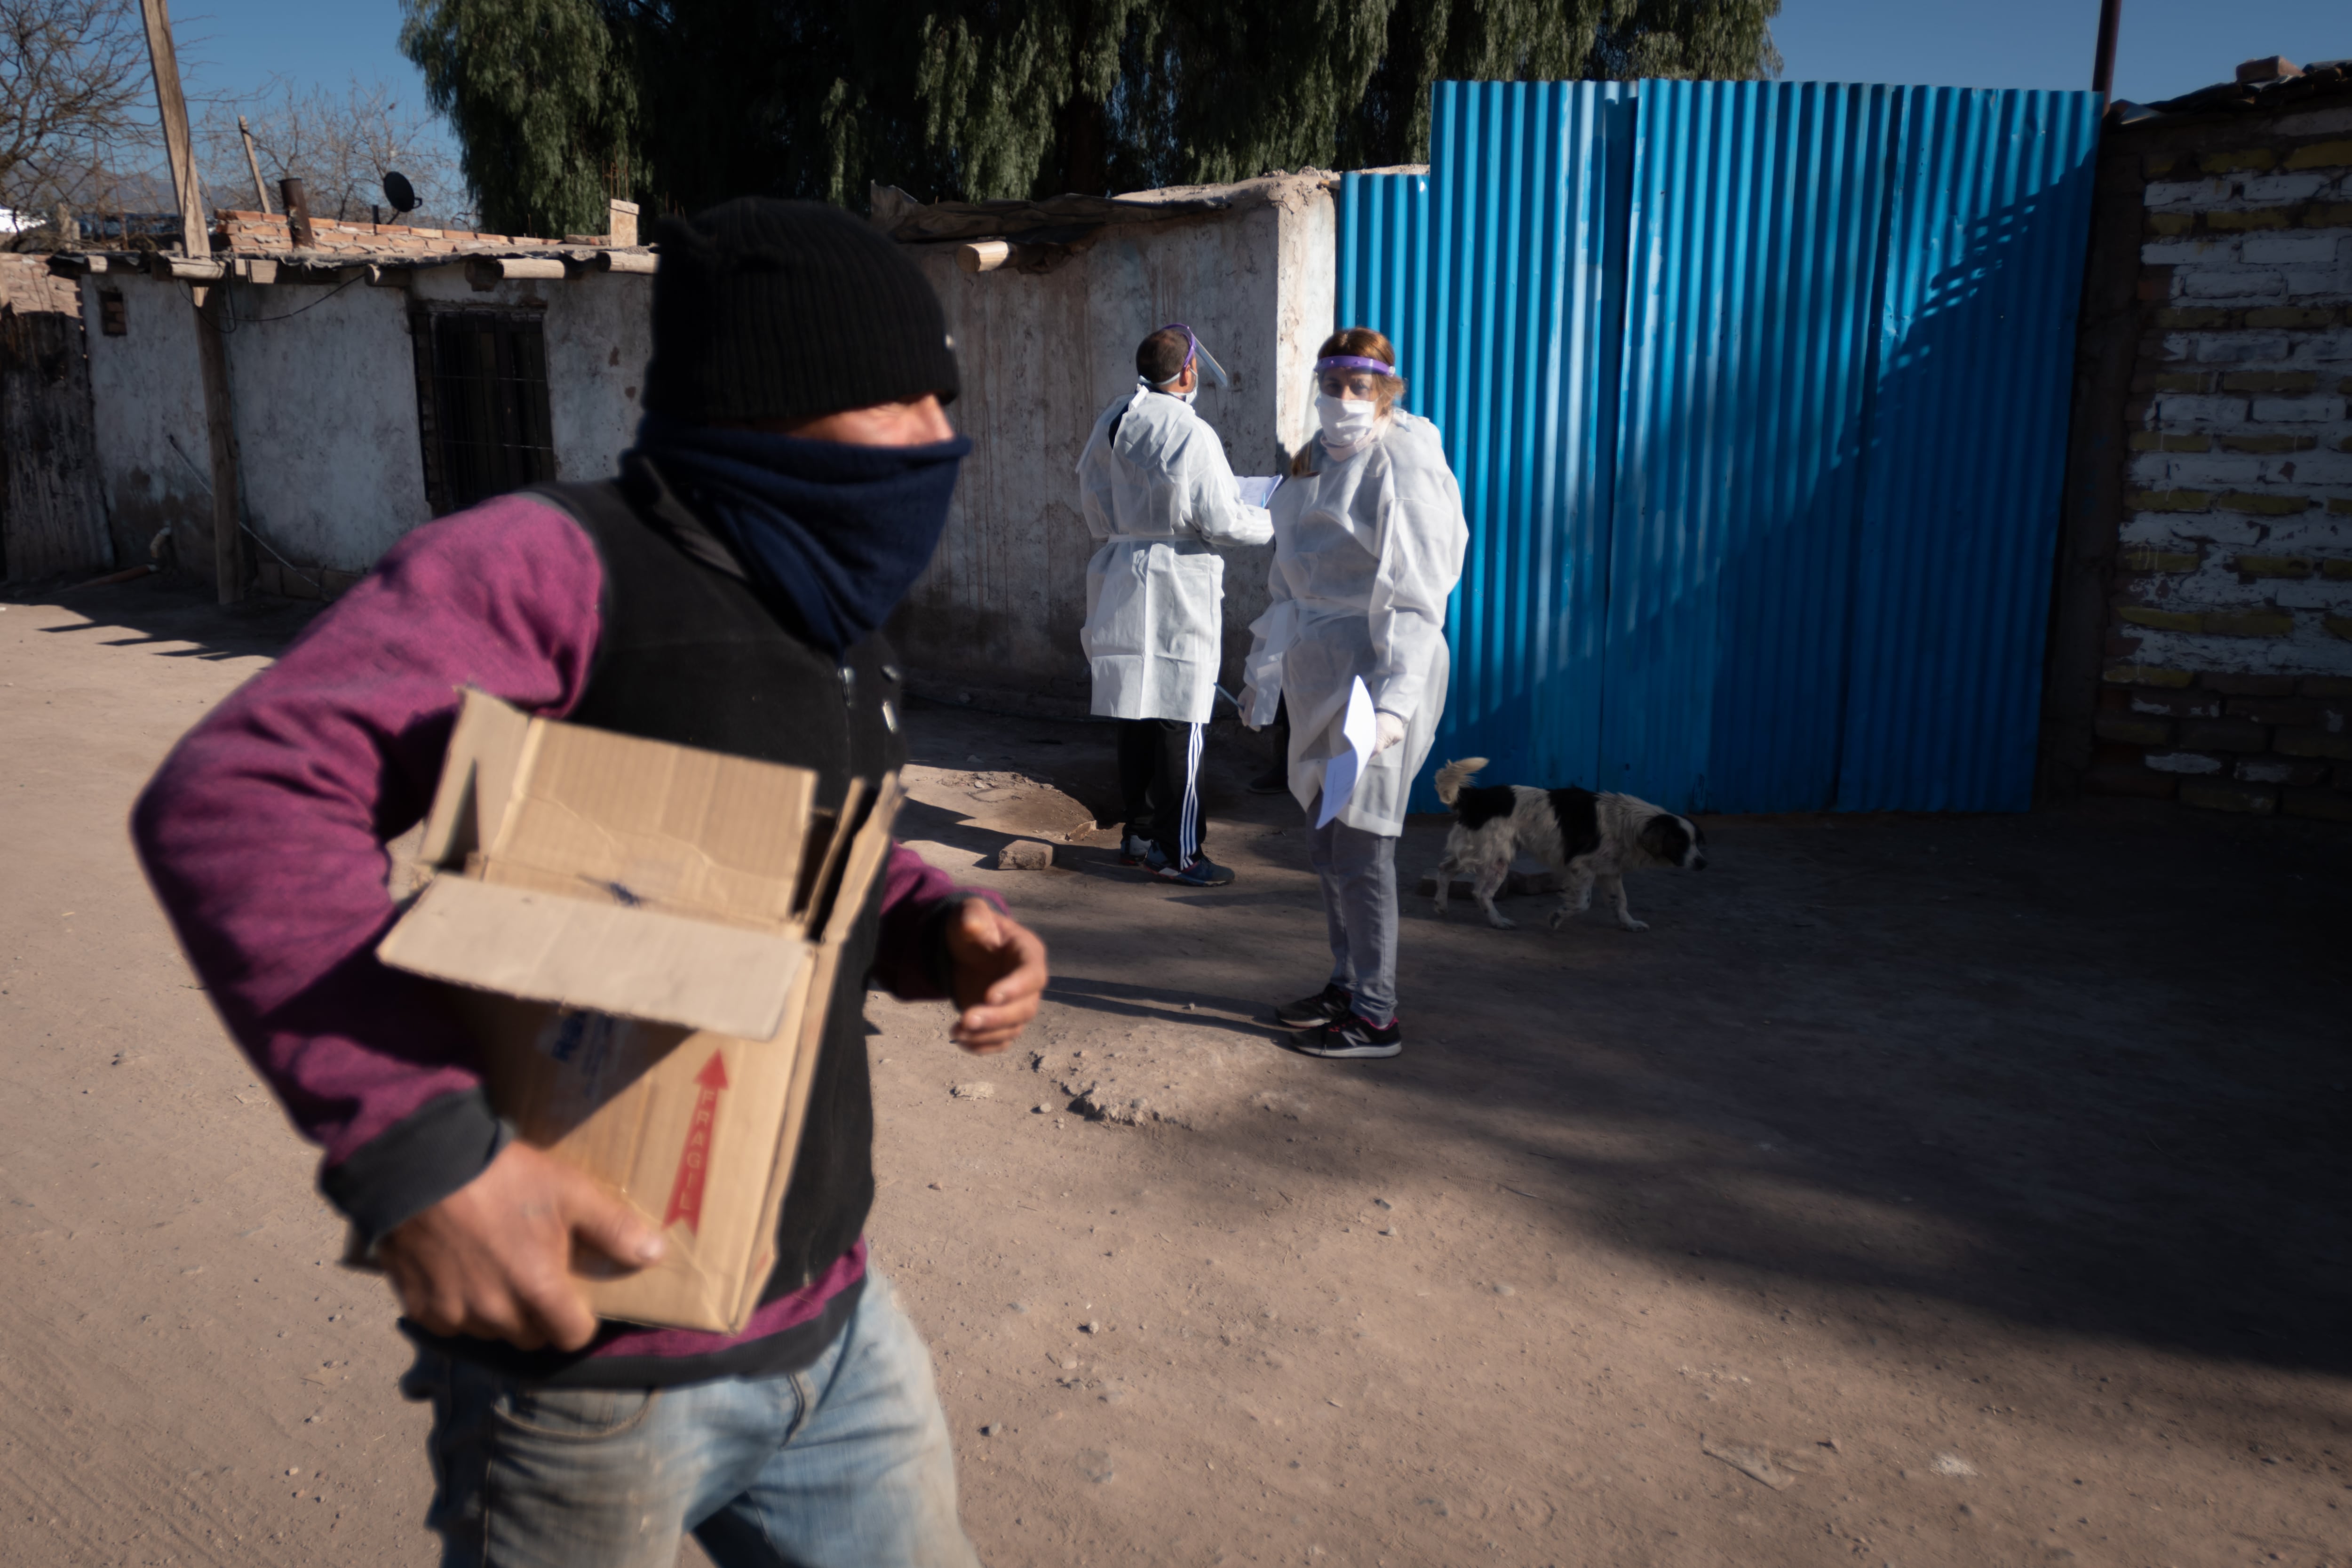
1454	775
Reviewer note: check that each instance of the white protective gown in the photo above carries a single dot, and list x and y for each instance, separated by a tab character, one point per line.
1159	495
1365	554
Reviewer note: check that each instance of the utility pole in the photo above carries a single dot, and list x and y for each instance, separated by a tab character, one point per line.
173	109
261	191
2103	69
210	298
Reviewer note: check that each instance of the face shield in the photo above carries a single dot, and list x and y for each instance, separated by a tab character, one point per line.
1195	353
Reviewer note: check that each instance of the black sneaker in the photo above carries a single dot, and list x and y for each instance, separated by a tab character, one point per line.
1199	871
1327	1005
1276	780
1351	1037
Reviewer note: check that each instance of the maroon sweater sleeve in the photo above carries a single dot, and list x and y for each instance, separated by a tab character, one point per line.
264	831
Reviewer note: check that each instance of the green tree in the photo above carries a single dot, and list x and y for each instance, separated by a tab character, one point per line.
683	102
543	97
1544	40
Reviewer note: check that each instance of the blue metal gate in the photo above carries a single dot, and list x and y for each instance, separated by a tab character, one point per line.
1756	396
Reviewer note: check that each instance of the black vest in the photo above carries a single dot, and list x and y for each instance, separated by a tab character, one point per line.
691	653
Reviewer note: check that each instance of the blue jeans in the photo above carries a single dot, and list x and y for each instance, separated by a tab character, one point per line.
844	1464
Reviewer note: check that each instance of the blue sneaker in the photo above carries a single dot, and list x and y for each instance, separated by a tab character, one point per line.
1141	851
1197	872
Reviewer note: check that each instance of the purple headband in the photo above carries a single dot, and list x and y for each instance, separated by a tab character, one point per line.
1353	361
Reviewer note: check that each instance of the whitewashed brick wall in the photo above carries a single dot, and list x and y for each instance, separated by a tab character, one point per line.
2229	672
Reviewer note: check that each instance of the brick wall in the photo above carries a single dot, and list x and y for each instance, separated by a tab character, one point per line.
2228	675
248	233
27	286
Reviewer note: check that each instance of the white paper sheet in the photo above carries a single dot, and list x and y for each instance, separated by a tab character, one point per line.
1359	728
1258	490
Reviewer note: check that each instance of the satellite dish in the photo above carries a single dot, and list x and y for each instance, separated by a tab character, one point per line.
399	192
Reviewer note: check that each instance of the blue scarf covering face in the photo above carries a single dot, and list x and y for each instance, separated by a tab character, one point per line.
838	533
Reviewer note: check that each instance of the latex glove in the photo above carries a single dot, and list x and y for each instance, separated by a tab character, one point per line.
1248	707
1389	731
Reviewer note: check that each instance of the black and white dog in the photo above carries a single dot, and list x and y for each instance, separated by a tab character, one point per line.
1584	837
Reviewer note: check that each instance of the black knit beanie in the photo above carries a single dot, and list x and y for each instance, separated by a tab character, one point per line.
767	308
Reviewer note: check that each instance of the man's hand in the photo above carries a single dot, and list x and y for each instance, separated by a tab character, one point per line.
493	1258
1387	731
999	977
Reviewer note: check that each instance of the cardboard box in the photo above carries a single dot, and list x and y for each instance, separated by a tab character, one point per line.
644	939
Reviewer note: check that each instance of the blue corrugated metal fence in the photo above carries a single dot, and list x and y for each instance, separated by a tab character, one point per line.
1756	396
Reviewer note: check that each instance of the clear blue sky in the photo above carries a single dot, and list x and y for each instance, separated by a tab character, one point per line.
2169	46
2166	48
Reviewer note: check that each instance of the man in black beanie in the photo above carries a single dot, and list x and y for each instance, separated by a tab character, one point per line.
725	591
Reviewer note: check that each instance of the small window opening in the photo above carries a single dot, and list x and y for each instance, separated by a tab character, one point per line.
112	321
481	379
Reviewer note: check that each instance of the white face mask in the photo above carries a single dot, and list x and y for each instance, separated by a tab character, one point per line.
1345	420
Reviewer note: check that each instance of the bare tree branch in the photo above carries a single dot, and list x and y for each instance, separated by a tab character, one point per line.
73	83
340	147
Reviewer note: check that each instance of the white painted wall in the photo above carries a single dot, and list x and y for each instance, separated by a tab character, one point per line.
334	472
323	385
1042	355
600	335
598	332
146	392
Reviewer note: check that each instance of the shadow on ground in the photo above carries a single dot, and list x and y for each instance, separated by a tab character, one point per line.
171	608
2085	1070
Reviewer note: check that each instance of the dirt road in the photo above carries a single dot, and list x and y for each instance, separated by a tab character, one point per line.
1914	1192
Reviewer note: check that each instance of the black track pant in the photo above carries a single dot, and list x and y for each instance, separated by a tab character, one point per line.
1159	777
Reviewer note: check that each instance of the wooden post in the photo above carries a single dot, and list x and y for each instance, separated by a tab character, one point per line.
173	109
2103	62
260	191
211	302
212	353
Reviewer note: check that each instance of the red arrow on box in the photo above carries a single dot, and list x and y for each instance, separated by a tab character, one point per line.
694	1160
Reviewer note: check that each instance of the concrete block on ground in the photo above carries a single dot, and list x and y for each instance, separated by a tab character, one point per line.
1025	854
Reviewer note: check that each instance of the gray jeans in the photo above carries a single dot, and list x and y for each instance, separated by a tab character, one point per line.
1359	901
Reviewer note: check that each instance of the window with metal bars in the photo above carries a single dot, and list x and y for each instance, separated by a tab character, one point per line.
481	393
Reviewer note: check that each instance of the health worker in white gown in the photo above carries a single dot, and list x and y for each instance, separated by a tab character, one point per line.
1368	547
1155	487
